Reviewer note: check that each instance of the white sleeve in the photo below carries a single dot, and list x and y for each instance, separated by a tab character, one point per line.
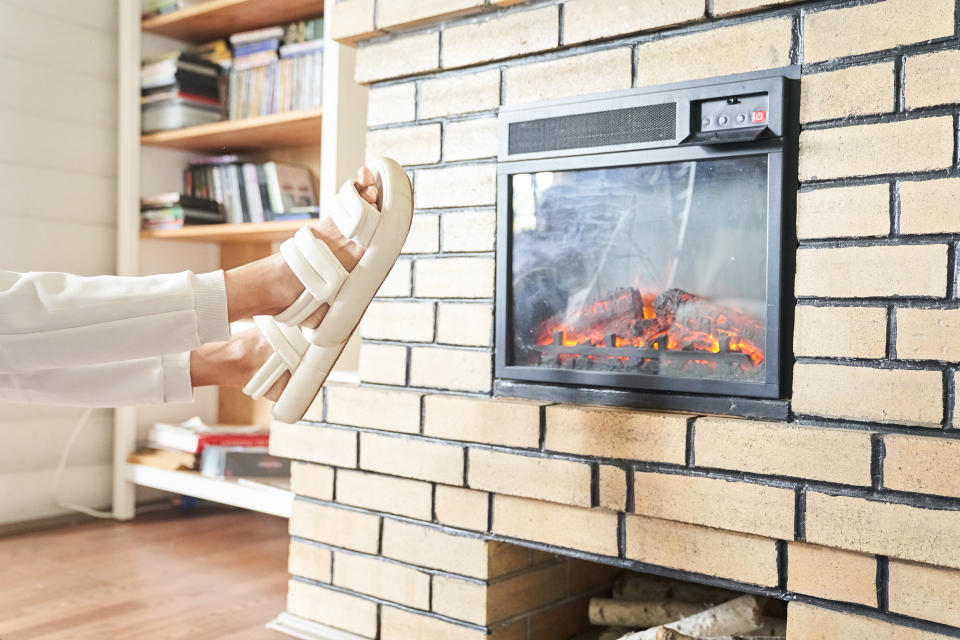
59	320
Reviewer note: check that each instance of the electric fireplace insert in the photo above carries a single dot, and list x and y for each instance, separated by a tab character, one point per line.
642	238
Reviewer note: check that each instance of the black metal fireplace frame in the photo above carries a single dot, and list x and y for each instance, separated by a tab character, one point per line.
779	145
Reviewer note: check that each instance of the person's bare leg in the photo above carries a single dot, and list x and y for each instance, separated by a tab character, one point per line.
267	286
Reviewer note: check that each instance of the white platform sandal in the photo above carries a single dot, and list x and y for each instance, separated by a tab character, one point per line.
310	357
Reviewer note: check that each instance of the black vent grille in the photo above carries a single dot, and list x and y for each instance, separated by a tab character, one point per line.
649	123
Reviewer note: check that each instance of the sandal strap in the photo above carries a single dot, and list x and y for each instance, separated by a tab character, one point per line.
355	217
289	347
316	266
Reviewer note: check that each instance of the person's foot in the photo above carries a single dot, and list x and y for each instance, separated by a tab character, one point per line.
233	363
268	286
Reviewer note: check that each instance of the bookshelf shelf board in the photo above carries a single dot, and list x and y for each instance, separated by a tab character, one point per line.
289	129
220	18
222	490
225	233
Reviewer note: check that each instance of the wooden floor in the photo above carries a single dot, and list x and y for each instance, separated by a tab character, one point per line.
214	575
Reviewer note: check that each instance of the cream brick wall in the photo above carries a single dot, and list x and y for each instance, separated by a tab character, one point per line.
926	84
374	408
456	186
401	496
832	575
338	527
744	558
470	139
591	530
930	206
468	230
464	508
392	103
752	46
896	530
500	422
401	57
313	444
310	561
866	272
923	144
336	609
382	579
733	506
922	465
311	480
412	458
613	488
593	19
596	72
922	591
840	212
406	145
434	549
454	278
828	454
928	334
466	324
399	281
561	481
862	393
614	433
411	321
855	91
725	7
424	236
383	364
352	20
840	332
407	13
815	623
513	34
455	369
874	27
461	93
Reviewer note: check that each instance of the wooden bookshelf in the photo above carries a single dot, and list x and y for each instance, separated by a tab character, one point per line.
289	129
228	233
220	18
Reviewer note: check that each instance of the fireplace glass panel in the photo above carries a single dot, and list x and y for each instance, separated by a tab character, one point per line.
651	270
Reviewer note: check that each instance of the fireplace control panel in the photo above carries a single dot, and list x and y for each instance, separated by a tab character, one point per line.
732	113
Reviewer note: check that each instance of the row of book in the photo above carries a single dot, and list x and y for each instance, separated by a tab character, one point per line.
214	451
276	70
227	189
258	72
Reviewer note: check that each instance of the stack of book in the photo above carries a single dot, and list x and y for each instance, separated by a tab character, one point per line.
182	89
152	8
173	210
276	69
251	191
216	451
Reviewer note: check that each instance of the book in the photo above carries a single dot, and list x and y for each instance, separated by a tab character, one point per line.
256	35
161	211
218	461
177	113
164	459
193	436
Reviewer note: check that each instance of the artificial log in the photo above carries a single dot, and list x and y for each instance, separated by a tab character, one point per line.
772	627
669	634
741	615
624	613
613	633
639	587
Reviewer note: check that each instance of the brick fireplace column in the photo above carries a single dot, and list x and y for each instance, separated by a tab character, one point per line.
427	508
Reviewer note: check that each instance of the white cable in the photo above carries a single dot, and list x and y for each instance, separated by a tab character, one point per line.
77	428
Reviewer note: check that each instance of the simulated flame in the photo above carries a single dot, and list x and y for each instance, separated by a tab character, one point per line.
672	321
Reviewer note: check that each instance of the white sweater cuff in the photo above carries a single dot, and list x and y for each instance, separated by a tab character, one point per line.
210	305
176	377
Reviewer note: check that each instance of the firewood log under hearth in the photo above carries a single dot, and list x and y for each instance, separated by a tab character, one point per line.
624	613
738	616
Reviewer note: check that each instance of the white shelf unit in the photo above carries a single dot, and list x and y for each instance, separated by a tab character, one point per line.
340	153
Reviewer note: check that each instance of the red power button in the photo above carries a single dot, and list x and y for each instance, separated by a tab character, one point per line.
758	117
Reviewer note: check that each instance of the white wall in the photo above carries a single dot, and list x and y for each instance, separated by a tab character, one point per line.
57	213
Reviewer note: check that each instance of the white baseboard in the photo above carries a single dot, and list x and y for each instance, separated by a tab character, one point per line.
297	627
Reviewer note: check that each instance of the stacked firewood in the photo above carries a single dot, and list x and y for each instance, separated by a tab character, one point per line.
650	608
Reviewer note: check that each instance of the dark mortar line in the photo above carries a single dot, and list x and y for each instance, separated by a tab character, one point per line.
800	514
878	453
883	583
